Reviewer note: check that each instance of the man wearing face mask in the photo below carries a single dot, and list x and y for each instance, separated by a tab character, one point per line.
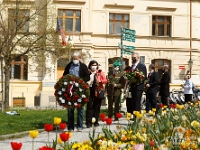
164	85
113	88
76	67
137	90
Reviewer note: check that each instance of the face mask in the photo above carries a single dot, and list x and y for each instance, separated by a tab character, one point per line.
117	68
94	68
75	62
133	60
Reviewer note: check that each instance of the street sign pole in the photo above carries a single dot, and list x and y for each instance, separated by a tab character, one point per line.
121	57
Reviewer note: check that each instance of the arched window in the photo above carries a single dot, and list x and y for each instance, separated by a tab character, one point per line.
159	63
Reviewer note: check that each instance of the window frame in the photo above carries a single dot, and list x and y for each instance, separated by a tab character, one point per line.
114	21
165	23
23	63
74	18
23	18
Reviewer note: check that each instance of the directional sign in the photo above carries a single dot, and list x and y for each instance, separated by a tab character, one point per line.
128	47
128	37
128	31
129	53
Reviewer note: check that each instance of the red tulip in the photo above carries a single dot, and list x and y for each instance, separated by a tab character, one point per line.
64	136
161	105
109	121
16	146
46	148
62	125
103	117
118	115
48	127
152	143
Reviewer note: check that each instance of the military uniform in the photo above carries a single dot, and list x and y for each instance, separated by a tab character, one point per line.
114	93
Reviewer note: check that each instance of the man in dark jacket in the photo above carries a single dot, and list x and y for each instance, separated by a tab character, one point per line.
164	85
137	89
152	89
76	67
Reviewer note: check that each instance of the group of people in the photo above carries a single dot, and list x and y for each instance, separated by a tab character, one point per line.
112	85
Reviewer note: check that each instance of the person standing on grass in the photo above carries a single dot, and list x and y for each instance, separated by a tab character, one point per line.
96	84
114	90
76	67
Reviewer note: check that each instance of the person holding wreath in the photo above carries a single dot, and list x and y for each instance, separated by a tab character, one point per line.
114	89
96	84
76	67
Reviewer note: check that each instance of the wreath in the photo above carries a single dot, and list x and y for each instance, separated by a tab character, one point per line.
71	91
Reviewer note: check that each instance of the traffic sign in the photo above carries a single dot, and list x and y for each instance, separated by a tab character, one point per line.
128	37
128	31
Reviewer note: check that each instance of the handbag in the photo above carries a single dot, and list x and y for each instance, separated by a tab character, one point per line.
101	94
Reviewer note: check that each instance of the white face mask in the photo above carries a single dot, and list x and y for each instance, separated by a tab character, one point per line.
94	68
75	62
117	69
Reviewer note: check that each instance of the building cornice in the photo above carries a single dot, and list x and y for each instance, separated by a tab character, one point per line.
161	8
70	1
116	6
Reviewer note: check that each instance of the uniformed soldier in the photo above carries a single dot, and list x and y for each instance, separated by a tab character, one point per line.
115	84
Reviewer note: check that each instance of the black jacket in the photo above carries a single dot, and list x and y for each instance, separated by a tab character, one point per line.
153	82
164	84
83	72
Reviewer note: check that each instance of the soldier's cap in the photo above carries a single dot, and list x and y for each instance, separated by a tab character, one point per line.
116	64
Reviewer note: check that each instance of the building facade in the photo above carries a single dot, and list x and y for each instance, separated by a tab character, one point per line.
167	32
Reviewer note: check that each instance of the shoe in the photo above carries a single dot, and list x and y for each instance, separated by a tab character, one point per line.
88	125
115	119
79	130
96	124
70	130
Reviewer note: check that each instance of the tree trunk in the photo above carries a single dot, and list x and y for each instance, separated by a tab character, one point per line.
7	85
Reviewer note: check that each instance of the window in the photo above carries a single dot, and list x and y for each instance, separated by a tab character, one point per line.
116	21
70	20
159	63
161	25
18	20
19	68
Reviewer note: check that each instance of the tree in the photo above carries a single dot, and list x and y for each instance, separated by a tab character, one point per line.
24	31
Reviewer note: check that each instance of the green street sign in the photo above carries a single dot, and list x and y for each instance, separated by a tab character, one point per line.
128	37
128	47
128	50
129	53
128	31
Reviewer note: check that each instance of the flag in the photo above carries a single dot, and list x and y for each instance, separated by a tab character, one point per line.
59	29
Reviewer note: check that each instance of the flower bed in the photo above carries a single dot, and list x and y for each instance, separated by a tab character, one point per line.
174	128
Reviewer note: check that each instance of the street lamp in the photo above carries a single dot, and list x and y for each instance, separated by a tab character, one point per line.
190	63
69	45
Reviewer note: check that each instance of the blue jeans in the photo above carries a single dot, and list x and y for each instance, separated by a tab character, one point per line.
80	115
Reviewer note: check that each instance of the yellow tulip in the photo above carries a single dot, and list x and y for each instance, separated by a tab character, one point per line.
33	133
59	141
154	109
70	134
57	120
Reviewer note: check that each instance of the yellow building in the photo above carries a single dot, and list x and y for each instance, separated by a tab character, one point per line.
167	32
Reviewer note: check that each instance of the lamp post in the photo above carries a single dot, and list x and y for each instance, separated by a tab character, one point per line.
190	61
69	45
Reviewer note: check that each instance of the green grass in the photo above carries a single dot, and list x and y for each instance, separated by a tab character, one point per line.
31	119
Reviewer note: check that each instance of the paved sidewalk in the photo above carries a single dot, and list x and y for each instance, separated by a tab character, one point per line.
42	138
